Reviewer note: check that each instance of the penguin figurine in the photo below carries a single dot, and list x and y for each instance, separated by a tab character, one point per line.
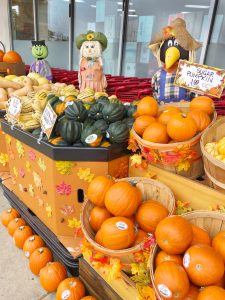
172	44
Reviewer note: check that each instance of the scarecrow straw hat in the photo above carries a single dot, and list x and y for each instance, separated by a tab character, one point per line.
92	36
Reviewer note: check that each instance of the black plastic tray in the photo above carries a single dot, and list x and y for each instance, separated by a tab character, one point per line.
2	114
99	154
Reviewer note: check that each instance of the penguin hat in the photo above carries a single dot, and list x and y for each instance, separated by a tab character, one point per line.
174	42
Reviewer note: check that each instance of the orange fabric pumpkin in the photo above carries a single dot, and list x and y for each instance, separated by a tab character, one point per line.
89	298
39	258
2	53
122	199
32	243
142	122
174	234
212	293
200	236
201	119
117	233
21	234
12	57
202	103
149	214
167	114
203	265
8	215
51	276
97	216
163	256
14	224
192	293
171	281
156	133
98	238
147	106
70	289
140	237
98	188
181	127
218	244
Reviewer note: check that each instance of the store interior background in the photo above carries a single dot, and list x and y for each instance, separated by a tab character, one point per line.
50	20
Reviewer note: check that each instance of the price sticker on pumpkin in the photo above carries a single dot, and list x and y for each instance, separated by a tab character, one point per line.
48	120
14	109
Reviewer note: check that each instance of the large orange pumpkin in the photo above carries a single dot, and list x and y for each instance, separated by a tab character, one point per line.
200	236
21	234
167	114
117	233
12	57
8	215
2	53
98	188
203	265
192	293
181	127
140	237
201	119
156	133
142	122
14	224
218	243
221	282
149	214
174	234
70	289
163	256
171	280
51	276
212	293
39	258
147	106
123	199
32	243
97	216
202	103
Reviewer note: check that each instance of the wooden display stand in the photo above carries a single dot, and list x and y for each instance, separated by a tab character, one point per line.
12	69
4	169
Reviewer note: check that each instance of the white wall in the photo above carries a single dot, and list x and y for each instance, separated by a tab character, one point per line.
4	24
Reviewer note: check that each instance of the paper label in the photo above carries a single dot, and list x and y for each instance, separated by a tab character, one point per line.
69	103
14	108
107	135
186	260
48	120
164	290
121	225
200	78
27	254
91	138
65	295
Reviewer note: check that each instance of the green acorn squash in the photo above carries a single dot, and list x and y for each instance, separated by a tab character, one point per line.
117	132
70	130
76	111
78	144
88	122
102	125
58	141
129	122
131	109
103	100
113	112
36	132
95	111
91	136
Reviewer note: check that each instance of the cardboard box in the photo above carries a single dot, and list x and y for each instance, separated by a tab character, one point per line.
12	69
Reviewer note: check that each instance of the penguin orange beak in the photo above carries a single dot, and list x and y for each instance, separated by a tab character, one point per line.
172	55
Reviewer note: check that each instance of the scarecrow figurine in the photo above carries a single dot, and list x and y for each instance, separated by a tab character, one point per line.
172	44
91	75
40	66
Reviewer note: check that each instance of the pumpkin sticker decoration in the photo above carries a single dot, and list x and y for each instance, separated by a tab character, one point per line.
15	171
20	149
31	155
28	166
85	174
4	159
37	181
22	172
31	190
74	223
67	210
64	167
42	165
48	210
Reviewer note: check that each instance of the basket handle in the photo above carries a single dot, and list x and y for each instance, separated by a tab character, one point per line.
3	46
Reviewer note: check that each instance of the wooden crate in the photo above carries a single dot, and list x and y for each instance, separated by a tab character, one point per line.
4	168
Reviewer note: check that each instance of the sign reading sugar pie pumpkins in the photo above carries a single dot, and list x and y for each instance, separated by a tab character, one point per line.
200	78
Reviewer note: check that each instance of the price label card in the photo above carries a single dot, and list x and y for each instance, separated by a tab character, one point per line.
14	108
200	78
48	120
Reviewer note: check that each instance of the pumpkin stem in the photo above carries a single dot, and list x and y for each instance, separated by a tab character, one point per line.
133	183
184	115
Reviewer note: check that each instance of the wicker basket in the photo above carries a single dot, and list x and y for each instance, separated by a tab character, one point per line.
212	222
150	189
214	169
154	152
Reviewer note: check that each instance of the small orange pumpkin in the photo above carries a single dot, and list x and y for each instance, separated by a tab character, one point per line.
156	133
97	216
51	276
89	298
192	293
12	57
212	293
147	106
201	119
200	236
14	224
32	243
21	234
221	282
218	243
167	114
142	122
2	53
8	215
202	103
39	258
163	256
70	289
140	237
98	238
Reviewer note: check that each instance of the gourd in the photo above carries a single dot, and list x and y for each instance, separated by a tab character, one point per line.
202	103
70	130
95	111
91	136
118	132
131	110
142	122
129	122
102	125
103	100
51	276
39	258
8	215
97	216
147	106
156	133
32	243
167	114
76	111
113	112
211	148
21	234
14	224
59	108
201	119
72	287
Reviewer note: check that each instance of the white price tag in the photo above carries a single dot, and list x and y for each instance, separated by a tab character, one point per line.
15	107
48	120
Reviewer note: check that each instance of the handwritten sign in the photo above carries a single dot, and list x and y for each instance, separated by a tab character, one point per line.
14	108
200	78
48	120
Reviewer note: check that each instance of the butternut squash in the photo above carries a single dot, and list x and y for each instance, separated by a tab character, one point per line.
43	87
24	91
3	95
10	91
10	84
3	105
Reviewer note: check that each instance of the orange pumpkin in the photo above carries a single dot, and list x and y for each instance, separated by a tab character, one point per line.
14	224
89	298
149	214
163	256
201	119
218	243
174	234
167	114
192	293
51	276
156	133
12	57
132	218
203	265
147	106
212	293
202	103
70	289
200	236
171	280
97	216
140	237
2	53
32	243
98	238
142	122
221	282
98	188
117	233
39	258
21	234
8	215
181	127
122	199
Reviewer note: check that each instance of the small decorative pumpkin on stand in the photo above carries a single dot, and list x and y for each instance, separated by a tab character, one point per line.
91	75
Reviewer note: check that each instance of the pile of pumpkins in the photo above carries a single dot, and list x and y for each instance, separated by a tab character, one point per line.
172	125
120	218
217	149
189	266
53	275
